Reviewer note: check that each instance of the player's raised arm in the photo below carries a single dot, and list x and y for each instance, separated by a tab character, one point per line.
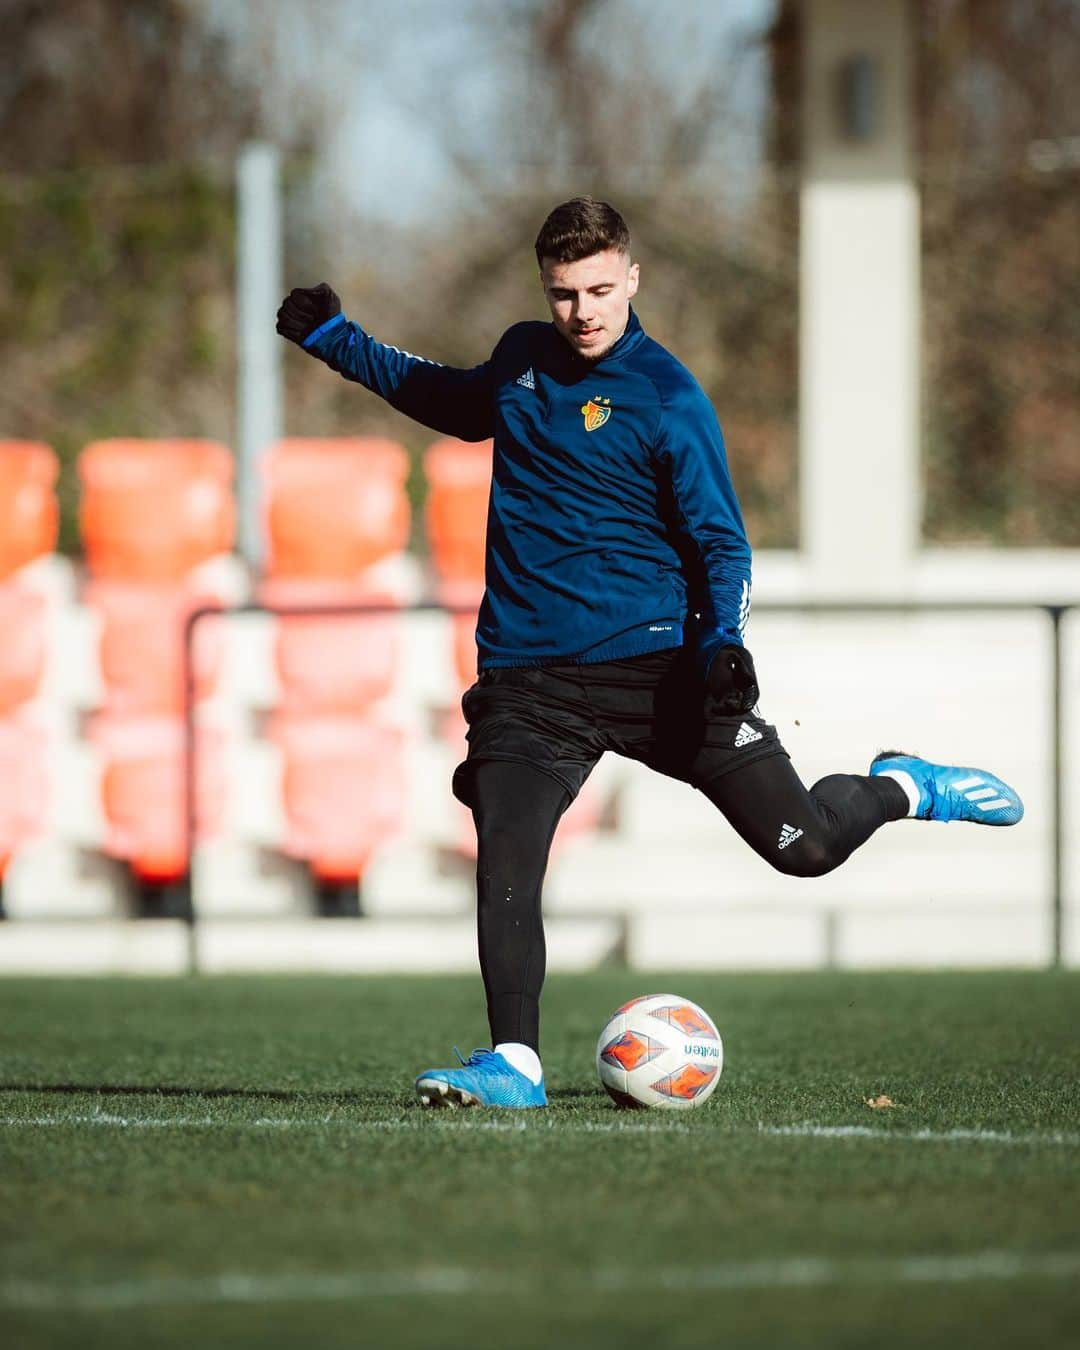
449	400
692	448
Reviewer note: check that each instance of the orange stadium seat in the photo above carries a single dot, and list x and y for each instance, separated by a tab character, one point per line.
29	513
334	506
142	791
22	646
459	483
152	510
463	629
343	789
339	664
23	784
142	645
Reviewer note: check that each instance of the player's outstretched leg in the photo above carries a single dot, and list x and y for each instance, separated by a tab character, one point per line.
804	832
947	792
516	808
807	832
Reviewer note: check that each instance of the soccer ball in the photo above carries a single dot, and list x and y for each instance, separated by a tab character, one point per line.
660	1050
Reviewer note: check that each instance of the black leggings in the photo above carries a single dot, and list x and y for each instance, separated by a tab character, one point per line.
801	833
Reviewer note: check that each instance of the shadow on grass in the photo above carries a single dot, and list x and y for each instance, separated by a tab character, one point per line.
566	1097
179	1090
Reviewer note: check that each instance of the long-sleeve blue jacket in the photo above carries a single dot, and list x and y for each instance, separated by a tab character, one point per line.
613	528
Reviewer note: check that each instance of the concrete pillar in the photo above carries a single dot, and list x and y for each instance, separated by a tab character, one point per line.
258	280
859	300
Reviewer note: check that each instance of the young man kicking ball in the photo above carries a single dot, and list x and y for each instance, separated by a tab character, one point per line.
617	596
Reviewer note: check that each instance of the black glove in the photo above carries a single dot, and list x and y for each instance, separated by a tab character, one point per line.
732	681
304	310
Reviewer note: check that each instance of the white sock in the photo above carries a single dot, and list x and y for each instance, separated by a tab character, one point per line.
907	783
523	1058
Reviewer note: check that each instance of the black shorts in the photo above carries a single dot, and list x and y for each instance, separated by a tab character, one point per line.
652	708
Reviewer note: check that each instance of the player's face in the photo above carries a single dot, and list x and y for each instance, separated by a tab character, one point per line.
590	299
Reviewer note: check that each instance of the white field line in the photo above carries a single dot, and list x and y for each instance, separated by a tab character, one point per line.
797	1272
808	1130
428	1121
443	1121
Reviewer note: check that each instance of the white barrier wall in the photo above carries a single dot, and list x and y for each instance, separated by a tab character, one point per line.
950	687
663	880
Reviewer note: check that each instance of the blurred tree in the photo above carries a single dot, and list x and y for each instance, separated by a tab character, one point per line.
1000	179
119	121
116	215
158	86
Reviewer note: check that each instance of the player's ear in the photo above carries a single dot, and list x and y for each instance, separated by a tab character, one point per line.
632	280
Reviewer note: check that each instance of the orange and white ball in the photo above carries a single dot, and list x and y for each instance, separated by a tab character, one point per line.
660	1050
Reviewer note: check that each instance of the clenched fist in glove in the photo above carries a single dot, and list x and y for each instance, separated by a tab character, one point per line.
305	309
732	681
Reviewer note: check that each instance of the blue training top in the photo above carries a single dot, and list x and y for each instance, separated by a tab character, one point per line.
613	527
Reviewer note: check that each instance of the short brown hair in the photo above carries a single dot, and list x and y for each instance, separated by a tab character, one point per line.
579	228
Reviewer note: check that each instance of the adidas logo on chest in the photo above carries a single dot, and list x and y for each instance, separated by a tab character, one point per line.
528	380
746	735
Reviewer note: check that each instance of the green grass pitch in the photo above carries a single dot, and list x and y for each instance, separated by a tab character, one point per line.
239	1162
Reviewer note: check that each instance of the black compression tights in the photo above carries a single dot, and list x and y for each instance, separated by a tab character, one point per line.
800	832
516	812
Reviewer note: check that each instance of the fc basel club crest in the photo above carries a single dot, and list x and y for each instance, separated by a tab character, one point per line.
596	412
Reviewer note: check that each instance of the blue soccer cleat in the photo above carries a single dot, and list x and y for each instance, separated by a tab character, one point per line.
484	1079
948	793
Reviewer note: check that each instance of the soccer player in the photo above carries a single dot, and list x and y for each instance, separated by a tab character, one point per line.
616	601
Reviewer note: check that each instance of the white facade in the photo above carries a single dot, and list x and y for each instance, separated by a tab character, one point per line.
661	879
